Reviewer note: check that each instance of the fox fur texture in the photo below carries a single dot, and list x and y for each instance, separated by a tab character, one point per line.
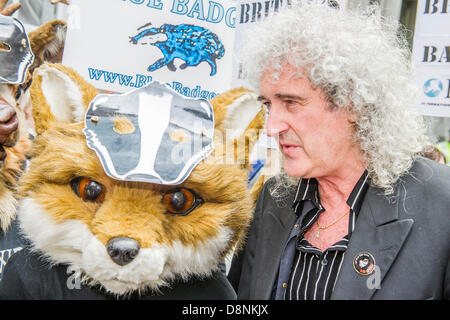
65	229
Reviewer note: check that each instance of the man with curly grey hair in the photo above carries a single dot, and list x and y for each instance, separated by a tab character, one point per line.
367	217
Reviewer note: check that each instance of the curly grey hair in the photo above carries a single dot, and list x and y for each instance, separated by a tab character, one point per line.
362	64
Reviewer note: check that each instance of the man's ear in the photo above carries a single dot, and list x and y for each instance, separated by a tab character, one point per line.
59	94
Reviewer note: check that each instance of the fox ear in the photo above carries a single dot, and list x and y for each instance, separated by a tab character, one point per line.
47	43
239	119
59	94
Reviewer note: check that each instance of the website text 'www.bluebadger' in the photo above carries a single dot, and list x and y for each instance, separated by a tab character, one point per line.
139	80
124	80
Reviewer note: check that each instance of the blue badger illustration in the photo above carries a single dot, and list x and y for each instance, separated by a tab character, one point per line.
192	44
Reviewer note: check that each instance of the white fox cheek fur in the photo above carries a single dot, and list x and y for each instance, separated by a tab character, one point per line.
66	229
73	243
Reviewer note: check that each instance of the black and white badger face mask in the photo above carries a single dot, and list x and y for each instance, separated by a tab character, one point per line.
15	51
151	134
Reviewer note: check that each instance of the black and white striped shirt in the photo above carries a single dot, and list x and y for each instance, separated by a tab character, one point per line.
313	273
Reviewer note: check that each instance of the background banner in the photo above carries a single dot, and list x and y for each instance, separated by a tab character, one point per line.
119	45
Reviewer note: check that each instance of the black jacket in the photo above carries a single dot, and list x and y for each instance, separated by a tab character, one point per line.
29	276
407	233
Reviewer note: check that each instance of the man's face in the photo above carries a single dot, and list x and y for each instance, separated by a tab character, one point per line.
315	141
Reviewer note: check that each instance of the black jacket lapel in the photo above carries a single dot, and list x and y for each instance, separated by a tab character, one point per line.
278	225
379	232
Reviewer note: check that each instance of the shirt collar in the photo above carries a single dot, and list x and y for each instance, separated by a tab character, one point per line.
356	197
307	189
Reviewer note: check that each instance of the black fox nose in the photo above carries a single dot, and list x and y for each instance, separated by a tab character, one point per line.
122	250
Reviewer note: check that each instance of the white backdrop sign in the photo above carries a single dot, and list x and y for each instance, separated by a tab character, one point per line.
431	56
119	45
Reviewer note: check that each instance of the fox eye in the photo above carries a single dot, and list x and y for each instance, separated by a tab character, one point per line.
181	201
88	190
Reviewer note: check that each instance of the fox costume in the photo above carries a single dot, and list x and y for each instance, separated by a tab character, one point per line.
46	42
126	239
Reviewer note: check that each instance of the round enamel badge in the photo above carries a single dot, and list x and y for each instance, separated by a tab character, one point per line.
364	263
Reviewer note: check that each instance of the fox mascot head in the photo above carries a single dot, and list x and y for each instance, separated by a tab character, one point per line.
123	236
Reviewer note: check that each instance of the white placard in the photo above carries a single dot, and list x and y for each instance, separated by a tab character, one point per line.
119	45
431	57
433	17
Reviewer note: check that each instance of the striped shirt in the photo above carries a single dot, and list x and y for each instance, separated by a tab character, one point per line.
313	273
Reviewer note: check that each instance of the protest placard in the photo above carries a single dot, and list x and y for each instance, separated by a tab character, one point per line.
119	45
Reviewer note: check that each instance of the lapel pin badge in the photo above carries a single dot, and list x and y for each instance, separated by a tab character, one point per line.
364	263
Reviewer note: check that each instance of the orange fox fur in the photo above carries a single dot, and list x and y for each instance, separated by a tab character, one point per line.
13	164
